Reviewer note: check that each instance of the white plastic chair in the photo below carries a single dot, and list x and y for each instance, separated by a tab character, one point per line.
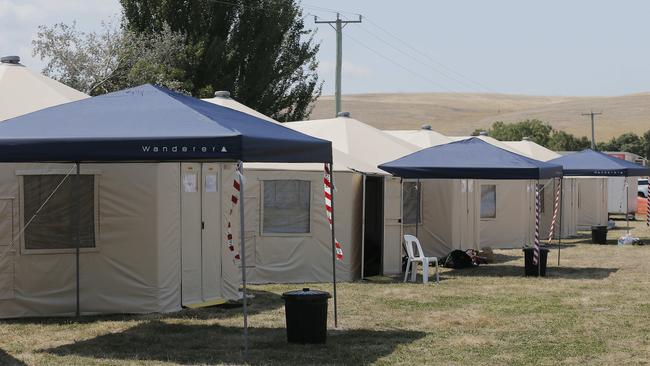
411	264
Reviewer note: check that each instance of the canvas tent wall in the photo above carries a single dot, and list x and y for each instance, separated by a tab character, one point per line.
570	204
153	231
294	246
358	149
617	190
23	91
512	224
147	240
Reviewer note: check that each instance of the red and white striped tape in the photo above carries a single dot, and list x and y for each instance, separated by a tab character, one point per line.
234	199
327	182
556	205
536	242
647	214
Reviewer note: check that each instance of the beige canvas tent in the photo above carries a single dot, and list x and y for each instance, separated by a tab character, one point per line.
368	210
148	252
153	235
467	213
293	244
23	91
618	187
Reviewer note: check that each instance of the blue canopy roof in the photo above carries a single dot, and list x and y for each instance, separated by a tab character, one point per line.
470	159
151	123
594	163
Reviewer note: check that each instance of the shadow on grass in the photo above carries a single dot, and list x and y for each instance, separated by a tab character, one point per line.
502	258
263	301
592	273
9	360
214	344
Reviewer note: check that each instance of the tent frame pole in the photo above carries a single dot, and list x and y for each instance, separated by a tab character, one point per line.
401	218
417	210
363	223
559	224
332	189
77	238
627	205
538	205
242	238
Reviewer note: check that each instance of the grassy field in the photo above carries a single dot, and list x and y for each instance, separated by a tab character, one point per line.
593	309
462	113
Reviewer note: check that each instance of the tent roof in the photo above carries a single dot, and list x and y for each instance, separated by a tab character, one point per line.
472	159
23	91
151	123
342	161
597	164
421	138
363	143
533	150
489	140
228	102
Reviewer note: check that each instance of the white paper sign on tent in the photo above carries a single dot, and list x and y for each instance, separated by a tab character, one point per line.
210	183
189	182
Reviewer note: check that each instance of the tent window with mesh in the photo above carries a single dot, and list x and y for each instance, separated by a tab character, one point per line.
286	207
488	201
53	227
411	197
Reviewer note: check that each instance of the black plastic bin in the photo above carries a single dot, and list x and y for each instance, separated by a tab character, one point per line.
530	268
306	314
599	234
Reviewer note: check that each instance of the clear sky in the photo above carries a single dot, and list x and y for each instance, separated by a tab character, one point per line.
550	47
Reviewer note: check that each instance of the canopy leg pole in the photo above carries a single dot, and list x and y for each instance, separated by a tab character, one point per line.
417	211
559	224
363	225
627	206
242	238
537	209
401	218
332	189
77	238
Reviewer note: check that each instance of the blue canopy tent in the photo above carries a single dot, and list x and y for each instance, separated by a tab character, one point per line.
152	124
590	163
472	158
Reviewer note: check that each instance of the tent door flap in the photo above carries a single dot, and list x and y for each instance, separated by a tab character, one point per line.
201	233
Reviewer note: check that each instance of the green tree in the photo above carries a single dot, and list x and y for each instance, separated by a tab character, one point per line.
259	50
629	142
534	129
111	59
563	141
646	144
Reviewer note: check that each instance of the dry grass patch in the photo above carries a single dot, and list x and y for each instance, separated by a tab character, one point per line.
593	309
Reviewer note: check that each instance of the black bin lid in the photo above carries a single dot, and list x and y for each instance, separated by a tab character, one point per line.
306	294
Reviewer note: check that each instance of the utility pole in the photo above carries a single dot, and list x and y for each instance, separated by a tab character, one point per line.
593	138
338	27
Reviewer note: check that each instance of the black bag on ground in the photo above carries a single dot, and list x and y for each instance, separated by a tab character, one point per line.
456	259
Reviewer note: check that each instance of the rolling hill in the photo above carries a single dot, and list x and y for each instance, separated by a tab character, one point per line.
460	114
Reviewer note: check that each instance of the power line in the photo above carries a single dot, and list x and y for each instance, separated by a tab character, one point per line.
415	73
329	10
414	58
402	41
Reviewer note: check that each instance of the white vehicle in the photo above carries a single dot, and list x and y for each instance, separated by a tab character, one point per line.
643	187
